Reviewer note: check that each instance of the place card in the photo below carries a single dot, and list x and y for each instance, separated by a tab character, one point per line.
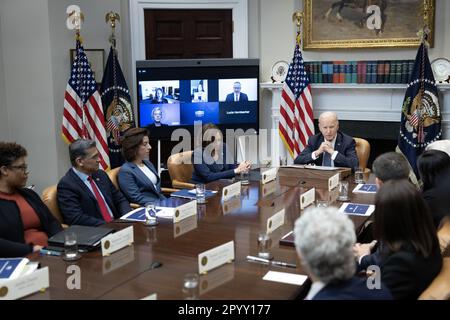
184	211
284	277
215	257
333	182
276	221
307	198
231	191
118	240
24	286
269	175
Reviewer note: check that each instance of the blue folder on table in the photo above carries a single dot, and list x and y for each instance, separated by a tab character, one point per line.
354	208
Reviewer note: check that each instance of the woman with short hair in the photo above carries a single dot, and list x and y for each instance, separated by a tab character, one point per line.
138	178
25	221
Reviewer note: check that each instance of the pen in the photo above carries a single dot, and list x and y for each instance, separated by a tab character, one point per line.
252	258
274	263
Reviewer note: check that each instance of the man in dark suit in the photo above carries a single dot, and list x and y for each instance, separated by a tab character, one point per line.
330	147
86	195
237	95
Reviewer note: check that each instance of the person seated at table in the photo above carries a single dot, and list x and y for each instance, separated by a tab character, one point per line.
434	171
212	161
390	166
442	145
408	253
25	221
330	147
138	178
324	239
86	195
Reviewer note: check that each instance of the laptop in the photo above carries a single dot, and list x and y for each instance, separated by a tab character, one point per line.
88	238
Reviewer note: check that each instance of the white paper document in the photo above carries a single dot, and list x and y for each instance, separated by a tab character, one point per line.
284	277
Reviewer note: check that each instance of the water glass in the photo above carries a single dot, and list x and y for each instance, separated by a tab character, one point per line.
150	214
71	246
190	286
343	191
245	178
264	245
200	193
321	203
359	175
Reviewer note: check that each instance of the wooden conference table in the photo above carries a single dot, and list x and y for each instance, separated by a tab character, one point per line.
127	274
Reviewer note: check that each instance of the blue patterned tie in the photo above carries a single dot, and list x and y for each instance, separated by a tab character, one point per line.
326	159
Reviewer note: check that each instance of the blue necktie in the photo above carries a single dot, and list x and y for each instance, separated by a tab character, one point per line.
326	161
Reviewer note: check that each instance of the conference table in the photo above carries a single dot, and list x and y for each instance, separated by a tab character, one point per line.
128	273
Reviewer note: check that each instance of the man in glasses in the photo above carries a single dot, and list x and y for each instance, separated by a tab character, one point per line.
86	195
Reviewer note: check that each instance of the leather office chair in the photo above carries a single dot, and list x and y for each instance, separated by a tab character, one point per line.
180	169
363	152
439	289
51	201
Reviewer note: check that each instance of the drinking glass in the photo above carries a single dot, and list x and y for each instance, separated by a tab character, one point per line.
359	175
200	193
190	286
343	191
71	247
245	178
264	245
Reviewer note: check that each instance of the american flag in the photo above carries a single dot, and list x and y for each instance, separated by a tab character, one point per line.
296	121
83	110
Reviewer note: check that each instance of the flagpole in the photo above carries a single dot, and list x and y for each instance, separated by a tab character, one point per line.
297	18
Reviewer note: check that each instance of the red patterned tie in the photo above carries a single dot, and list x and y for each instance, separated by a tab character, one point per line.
100	200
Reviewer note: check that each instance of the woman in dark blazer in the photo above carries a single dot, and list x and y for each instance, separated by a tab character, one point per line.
408	253
434	171
138	178
25	221
212	161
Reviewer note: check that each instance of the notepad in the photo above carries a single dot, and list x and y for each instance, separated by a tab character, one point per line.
365	188
284	277
357	209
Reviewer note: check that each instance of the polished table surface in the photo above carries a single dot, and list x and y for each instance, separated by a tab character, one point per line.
127	274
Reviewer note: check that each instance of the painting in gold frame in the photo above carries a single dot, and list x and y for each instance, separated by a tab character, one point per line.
395	23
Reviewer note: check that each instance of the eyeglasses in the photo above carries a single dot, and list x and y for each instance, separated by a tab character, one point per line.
23	167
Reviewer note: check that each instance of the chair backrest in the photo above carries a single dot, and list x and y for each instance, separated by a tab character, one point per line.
180	169
113	176
51	201
439	289
363	151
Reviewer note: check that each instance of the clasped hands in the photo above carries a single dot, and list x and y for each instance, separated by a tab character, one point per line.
243	167
326	146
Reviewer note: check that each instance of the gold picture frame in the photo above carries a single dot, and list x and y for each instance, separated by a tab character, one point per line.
96	58
400	20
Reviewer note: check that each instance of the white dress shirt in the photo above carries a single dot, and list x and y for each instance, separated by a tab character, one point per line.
315	288
333	155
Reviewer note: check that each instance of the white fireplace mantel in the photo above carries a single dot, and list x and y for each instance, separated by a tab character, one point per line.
356	102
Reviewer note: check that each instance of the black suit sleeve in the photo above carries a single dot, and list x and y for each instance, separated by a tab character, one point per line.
305	156
69	204
348	159
9	249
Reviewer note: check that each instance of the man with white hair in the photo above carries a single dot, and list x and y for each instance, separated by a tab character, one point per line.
324	240
330	147
441	145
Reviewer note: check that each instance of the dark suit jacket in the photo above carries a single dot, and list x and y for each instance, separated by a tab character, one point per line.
78	204
345	145
204	173
353	289
12	239
136	186
242	97
405	273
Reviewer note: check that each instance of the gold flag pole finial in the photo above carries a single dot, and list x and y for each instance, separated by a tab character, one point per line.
74	20
111	18
297	18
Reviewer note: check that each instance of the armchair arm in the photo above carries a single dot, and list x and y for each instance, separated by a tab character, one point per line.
169	190
182	185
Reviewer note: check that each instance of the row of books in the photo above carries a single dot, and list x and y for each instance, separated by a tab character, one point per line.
382	71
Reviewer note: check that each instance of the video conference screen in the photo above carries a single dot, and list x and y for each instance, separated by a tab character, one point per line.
177	93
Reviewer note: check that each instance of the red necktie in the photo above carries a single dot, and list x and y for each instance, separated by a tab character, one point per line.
100	200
